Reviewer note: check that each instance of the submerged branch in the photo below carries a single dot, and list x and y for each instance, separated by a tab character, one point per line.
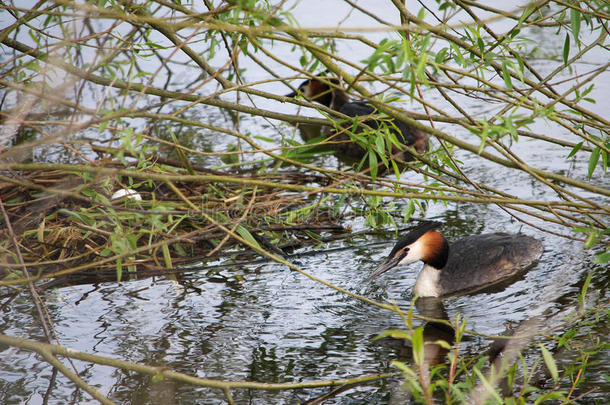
49	350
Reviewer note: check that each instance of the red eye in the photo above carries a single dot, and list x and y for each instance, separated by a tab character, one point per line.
402	253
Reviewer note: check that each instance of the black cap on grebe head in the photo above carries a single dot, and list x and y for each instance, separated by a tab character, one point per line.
422	243
321	91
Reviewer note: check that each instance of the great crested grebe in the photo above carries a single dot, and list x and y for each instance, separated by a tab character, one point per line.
328	92
467	265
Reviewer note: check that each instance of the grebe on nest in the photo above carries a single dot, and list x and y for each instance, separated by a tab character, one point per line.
328	92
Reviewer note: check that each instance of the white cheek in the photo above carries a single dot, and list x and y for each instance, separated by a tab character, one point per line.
416	253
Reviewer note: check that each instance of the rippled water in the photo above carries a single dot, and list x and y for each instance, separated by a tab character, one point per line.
265	323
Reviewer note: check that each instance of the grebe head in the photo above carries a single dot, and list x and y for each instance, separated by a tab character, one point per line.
326	91
422	243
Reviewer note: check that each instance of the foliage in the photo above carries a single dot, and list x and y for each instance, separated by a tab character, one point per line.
503	375
180	104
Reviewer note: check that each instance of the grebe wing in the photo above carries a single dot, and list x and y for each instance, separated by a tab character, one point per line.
479	261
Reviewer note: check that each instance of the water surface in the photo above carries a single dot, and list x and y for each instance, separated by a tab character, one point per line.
266	323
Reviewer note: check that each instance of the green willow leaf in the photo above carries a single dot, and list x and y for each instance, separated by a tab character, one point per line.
550	362
244	233
575	149
506	76
417	340
602	258
591	240
593	160
566	49
488	386
119	269
395	334
457	55
575	23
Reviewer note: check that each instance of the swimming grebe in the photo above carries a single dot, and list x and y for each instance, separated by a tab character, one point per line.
328	92
465	266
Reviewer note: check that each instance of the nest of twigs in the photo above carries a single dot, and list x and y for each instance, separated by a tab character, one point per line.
64	221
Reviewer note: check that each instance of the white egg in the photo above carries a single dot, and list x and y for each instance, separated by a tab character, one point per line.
127	192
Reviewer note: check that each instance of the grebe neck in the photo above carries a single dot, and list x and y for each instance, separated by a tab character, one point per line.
428	282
